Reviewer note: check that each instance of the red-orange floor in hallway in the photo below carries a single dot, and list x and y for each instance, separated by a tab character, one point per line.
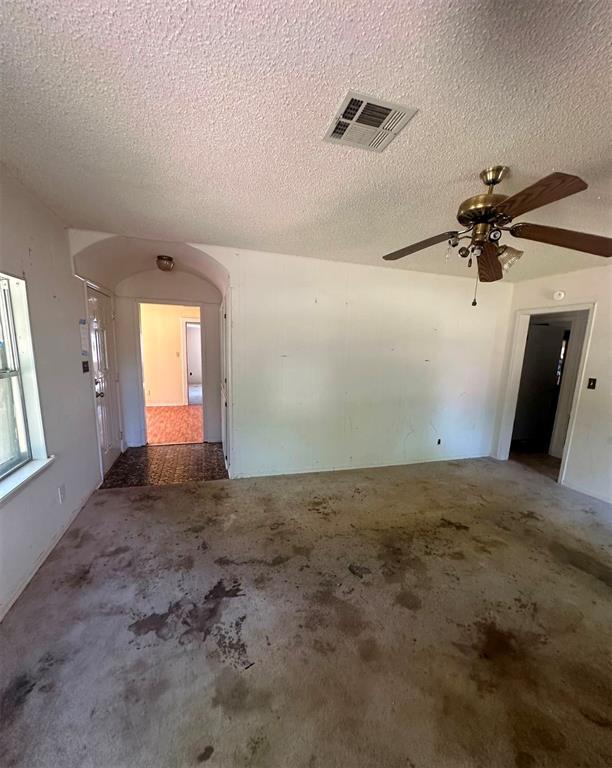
168	424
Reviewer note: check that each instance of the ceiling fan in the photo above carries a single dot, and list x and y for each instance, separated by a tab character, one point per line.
488	215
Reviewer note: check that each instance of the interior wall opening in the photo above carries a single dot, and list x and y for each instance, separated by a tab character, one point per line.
172	373
193	361
549	374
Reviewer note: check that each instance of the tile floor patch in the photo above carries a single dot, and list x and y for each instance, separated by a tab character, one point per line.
166	465
172	424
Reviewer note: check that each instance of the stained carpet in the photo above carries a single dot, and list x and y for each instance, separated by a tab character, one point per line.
448	615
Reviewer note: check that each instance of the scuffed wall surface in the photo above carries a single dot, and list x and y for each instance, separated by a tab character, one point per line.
33	241
338	366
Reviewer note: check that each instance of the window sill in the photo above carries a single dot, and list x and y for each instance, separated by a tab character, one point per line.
20	477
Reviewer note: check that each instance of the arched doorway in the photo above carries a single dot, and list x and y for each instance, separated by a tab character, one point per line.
125	270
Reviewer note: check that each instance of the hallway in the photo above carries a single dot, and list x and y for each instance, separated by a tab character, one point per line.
174	424
541	462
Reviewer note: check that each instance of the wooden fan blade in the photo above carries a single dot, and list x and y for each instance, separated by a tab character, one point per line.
489	268
545	191
419	246
565	238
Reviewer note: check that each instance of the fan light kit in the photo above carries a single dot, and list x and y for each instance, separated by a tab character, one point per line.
508	256
487	216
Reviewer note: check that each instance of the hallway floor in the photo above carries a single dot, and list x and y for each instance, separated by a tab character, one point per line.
541	462
173	424
167	464
447	615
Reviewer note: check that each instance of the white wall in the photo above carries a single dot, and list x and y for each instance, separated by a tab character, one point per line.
588	463
338	365
172	287
33	241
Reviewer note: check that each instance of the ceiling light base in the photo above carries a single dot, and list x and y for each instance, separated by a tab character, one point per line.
492	176
165	263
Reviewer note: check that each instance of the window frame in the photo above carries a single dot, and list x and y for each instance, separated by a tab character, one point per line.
21	360
13	371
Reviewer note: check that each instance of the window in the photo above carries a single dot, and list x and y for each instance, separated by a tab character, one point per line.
22	446
14	440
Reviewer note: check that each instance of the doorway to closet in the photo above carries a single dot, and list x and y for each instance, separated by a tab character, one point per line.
546	393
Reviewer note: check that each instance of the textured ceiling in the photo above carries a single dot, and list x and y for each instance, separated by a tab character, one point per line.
203	121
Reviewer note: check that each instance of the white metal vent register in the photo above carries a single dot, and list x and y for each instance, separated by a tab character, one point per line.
368	123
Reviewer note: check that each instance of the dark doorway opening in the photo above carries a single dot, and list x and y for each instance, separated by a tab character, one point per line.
546	393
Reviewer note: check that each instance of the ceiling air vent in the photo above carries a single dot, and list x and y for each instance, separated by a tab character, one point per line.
368	123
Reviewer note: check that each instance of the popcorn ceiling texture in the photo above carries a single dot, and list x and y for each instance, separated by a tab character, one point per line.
203	121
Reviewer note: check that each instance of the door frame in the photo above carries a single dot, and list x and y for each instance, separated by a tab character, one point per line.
571	364
87	284
515	368
226	393
139	367
185	321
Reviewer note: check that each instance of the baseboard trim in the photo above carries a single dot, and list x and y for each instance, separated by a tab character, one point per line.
4	609
347	468
166	405
586	492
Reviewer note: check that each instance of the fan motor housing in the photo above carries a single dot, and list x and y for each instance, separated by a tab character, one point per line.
479	209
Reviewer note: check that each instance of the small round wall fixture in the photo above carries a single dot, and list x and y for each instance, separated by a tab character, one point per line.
559	295
165	263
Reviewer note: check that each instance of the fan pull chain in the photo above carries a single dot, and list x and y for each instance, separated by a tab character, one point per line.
474	302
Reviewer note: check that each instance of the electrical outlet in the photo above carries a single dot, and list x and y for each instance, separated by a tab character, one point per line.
61	493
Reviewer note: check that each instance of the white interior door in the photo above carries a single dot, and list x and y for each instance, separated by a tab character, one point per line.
103	375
